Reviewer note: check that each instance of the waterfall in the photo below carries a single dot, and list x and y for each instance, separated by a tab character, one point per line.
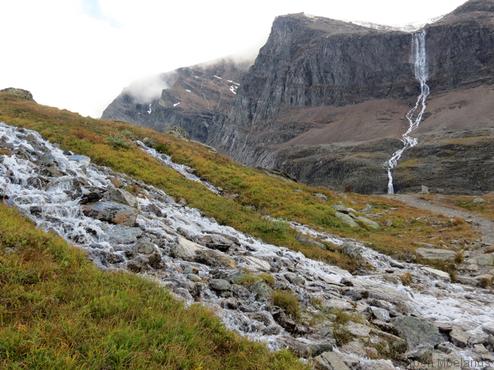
415	115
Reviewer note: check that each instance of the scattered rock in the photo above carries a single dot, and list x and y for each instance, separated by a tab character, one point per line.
416	331
437	273
369	224
184	249
155	261
294	278
321	196
424	189
145	246
478	200
121	234
330	361
220	285
214	258
121	196
358	330
379	313
458	337
218	242
111	212
436	254
485	260
262	290
347	220
257	264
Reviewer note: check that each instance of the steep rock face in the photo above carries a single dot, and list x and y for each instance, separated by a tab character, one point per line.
192	99
325	102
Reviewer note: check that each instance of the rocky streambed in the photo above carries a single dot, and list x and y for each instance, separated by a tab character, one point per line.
268	293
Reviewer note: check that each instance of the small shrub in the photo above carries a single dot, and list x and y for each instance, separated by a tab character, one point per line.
288	302
406	278
117	142
486	282
459	257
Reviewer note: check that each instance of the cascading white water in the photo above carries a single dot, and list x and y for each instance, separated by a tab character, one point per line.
48	185
415	115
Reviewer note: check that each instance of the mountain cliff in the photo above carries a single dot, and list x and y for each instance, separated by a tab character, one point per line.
325	102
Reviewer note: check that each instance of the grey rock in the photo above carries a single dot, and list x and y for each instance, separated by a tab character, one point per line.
458	337
145	246
261	290
369	224
121	234
218	242
220	285
379	313
436	254
214	258
121	196
416	331
346	220
111	212
330	361
294	278
184	249
485	260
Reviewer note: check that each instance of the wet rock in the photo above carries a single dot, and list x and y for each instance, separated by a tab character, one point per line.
437	273
214	258
424	189
137	265
155	261
240	291
194	278
230	303
309	241
488	328
121	234
458	337
220	285
422	354
485	260
358	330
352	250
111	212
35	210
81	159
91	197
306	349
218	242
416	331
436	254
145	246
257	264
330	361
184	249
261	290
347	220
379	313
294	278
121	196
369	224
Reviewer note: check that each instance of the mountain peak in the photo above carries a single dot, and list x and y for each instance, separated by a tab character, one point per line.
20	93
475	6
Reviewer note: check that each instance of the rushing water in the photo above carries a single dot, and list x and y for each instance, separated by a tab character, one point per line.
48	186
415	115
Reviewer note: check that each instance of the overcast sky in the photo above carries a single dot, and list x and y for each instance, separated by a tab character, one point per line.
80	54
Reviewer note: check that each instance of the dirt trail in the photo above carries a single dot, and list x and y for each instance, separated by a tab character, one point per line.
486	227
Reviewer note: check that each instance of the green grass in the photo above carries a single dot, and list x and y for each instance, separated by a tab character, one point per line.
287	301
58	311
256	194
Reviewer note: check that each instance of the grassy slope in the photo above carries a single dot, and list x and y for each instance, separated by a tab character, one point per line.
58	311
256	194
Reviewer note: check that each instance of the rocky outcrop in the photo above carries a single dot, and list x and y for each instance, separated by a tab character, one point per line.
192	99
19	93
325	103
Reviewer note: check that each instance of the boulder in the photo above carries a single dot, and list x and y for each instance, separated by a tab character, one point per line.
417	332
257	264
330	361
485	260
262	290
217	241
437	273
220	285
436	254
214	258
379	313
111	212
458	337
346	219
145	246
121	234
185	249
294	278
121	196
368	224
